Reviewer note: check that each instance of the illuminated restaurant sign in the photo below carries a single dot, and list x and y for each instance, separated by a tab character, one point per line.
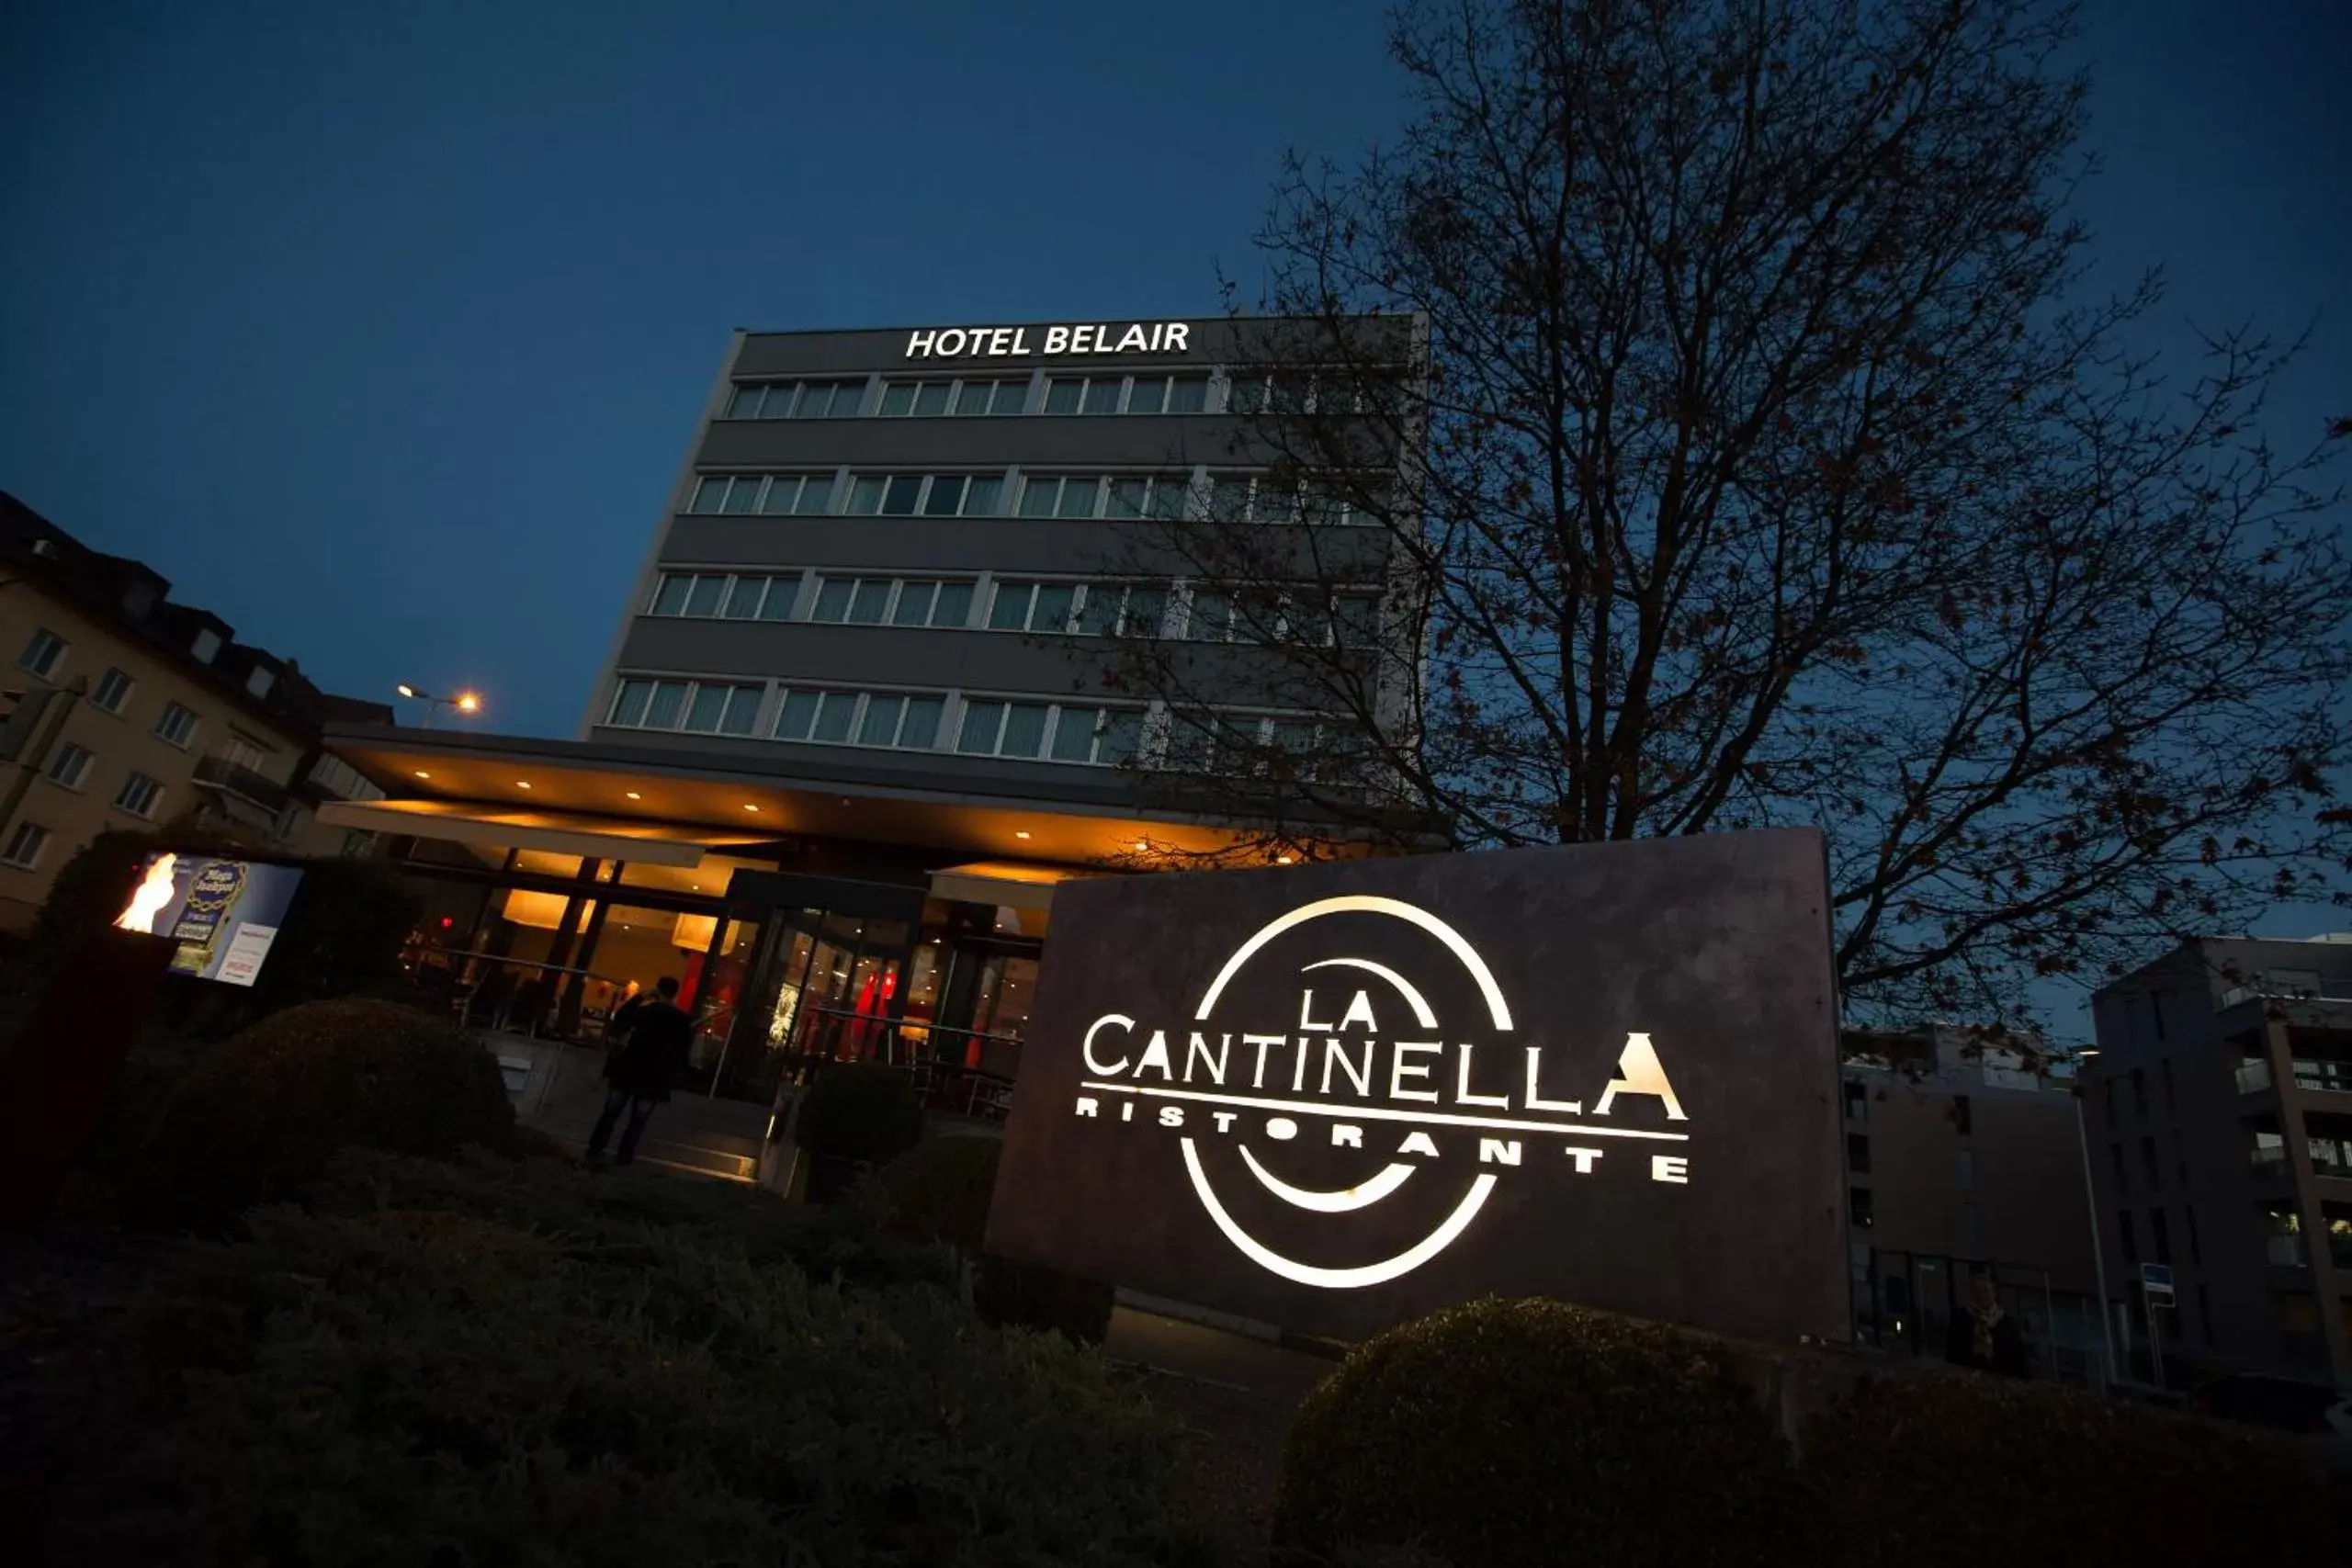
1335	1097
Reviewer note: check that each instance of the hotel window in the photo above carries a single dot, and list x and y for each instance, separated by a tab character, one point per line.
729	596
904	721
877	601
2130	1238
1060	732
928	399
1237	745
113	690
1858	1154
924	495
1126	394
26	844
1122	496
178	725
699	707
1049	607
1858	1205
1964	1170
70	766
2148	1160
1295	391
140	795
2115	1152
1858	1101
43	653
768	495
795	399
1259	498
1123	609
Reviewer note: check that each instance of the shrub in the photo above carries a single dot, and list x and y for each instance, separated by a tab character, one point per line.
857	1110
409	1386
257	1121
1506	1433
939	1191
1962	1469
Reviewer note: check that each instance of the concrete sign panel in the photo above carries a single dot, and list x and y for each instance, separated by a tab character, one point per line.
1335	1096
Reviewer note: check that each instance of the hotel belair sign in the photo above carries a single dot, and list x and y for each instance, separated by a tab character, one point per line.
1069	339
1335	1097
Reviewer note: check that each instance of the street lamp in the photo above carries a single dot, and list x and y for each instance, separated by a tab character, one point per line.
2090	1201
464	702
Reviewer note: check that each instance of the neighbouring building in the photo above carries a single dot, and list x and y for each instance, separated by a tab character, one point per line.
1963	1157
126	709
850	734
2221	1133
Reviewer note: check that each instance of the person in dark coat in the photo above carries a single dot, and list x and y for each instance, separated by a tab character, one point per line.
1985	1337
640	1073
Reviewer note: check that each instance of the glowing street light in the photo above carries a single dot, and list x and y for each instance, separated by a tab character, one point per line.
464	702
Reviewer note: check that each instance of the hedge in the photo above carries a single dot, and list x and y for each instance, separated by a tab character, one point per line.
939	1191
1525	1434
858	1110
256	1121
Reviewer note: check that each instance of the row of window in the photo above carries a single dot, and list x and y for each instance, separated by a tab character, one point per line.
44	656
973	396
1051	609
140	795
1086	733
1234	498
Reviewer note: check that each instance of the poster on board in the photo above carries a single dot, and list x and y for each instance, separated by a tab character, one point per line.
224	914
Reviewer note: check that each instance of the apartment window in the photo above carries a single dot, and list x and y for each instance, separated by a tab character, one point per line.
1963	1115
1126	394
177	725
765	495
113	690
140	795
2196	1250
1964	1170
1858	1101
2148	1162
2204	1313
795	399
2172	1097
928	399
1858	1205
2156	1017
1060	733
925	495
2139	1093
1858	1153
907	721
721	595
241	752
2130	1238
701	707
70	766
2107	1099
2160	1236
1972	1229
43	653
25	845
2115	1152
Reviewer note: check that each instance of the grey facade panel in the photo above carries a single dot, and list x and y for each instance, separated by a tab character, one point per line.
1036	546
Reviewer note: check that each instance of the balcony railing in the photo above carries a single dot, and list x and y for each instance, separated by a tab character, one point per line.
2253	1076
2324	1073
2286	1251
232	778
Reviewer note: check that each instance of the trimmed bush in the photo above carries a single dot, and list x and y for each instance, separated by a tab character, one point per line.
411	1384
1969	1471
939	1191
1526	1434
257	1121
857	1110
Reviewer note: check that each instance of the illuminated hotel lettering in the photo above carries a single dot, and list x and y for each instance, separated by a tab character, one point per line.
1373	1088
1085	337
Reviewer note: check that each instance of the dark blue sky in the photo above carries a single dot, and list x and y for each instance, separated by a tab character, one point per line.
382	330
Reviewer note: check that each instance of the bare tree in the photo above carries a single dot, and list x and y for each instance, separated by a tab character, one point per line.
1766	467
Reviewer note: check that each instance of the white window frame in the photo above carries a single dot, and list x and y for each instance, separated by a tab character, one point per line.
798	391
861	703
1055	713
46	641
121	698
693	685
1126	392
955	386
925	483
762	489
894	591
153	801
728	582
186	736
55	771
18	854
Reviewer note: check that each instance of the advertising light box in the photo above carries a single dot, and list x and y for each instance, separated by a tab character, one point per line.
1335	1096
224	914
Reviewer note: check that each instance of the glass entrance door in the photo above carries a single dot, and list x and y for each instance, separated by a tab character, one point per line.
827	988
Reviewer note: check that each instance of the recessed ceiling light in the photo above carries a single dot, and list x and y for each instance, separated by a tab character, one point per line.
522	784
1282	859
634	795
1017	832
1143	844
748	807
423	775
